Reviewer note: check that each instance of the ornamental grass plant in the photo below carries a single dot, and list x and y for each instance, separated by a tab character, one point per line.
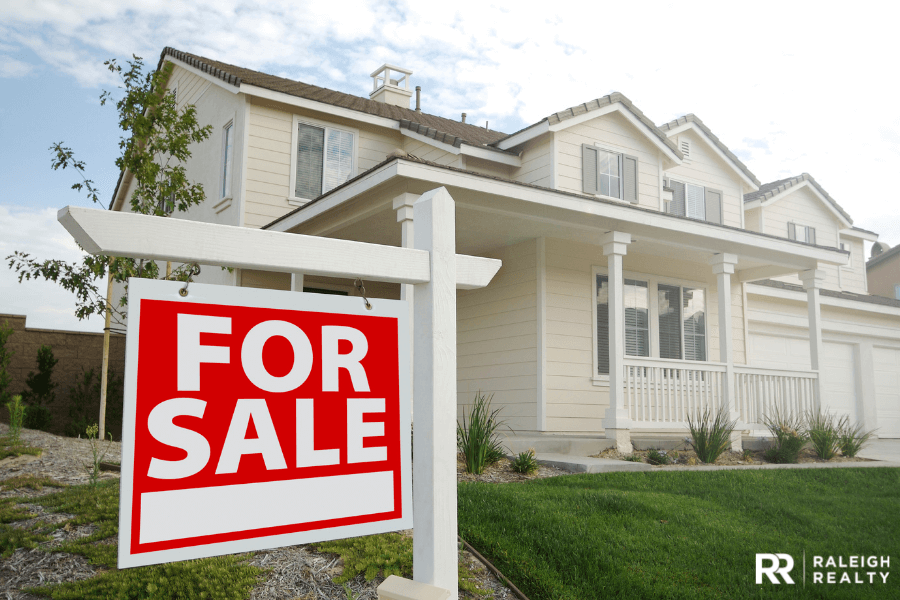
852	438
710	435
477	438
525	462
789	433
824	432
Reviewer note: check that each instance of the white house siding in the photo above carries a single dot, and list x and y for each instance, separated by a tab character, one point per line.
497	339
611	131
751	220
705	168
861	350
574	402
803	207
853	278
487	167
537	163
269	156
427	152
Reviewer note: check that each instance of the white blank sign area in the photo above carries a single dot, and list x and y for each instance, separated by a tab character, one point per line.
181	514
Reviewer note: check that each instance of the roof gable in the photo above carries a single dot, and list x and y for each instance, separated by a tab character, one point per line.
693	122
770	193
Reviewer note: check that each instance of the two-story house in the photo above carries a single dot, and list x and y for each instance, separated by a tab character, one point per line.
646	271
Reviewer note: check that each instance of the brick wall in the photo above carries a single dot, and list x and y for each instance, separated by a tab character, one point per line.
74	349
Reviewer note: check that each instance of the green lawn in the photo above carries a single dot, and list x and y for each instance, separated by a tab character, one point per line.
684	534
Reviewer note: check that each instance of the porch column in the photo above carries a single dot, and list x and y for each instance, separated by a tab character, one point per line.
403	204
812	283
723	267
616	421
296	282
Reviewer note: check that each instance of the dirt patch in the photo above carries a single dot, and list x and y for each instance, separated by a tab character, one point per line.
688	458
502	472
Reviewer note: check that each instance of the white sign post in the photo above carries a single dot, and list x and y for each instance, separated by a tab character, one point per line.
432	266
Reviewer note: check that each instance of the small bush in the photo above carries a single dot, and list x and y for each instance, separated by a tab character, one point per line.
478	442
84	403
40	391
525	463
789	436
852	438
710	436
633	458
824	433
16	416
374	555
658	457
37	417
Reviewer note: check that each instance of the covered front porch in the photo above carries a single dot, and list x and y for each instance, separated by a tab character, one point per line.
605	320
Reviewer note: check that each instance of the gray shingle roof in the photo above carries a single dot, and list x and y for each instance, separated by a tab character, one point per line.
692	118
234	75
597	104
769	190
883	256
867	298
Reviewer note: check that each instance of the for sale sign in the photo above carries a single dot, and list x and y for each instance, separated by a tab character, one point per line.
258	418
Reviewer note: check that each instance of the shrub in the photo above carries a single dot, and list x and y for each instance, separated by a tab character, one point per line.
478	442
633	458
658	457
824	432
374	555
525	463
16	414
84	404
789	436
41	390
710	435
852	439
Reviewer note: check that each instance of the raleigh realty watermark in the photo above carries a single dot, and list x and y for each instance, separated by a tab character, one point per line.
825	569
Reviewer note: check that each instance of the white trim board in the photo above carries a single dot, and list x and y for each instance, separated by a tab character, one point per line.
759	290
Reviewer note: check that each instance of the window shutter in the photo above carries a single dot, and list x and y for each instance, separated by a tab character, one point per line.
792	231
602	325
669	321
310	156
714	206
811	235
676	207
630	178
589	156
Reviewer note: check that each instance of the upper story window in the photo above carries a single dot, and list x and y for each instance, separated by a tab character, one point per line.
695	201
845	246
802	233
672	326
609	173
897	292
323	157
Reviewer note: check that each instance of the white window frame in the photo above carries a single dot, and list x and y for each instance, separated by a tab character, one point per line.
354	159
806	228
226	166
687	181
653	282
619	154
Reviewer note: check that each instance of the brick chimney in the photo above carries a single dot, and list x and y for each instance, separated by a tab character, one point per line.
390	84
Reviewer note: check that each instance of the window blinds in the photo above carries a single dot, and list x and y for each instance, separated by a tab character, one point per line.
310	151
694	310
602	324
637	318
338	159
669	321
696	202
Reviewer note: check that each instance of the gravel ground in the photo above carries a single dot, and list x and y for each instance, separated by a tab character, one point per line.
295	572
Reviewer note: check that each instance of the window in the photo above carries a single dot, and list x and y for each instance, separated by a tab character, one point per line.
845	246
802	233
897	292
227	158
679	316
695	201
323	158
608	173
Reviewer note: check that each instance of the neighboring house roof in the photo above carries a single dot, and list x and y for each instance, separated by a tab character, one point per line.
772	189
869	299
692	118
466	132
597	104
883	257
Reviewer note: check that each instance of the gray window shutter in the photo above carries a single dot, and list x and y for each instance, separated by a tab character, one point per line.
792	231
630	178
677	206
811	231
714	206
589	182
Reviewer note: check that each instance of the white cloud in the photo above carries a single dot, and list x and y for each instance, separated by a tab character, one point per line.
11	68
47	305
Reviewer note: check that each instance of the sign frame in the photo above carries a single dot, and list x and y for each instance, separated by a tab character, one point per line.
140	290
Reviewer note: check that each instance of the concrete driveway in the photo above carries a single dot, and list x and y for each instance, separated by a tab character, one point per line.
884	449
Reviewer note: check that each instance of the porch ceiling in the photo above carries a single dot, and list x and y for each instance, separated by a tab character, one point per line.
492	213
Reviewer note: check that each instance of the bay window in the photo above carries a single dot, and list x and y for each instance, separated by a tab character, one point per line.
663	319
322	158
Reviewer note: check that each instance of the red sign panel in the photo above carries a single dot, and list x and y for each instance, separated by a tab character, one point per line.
257	418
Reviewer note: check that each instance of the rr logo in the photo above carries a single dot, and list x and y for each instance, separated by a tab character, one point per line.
774	567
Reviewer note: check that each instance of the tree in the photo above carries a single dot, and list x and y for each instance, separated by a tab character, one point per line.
154	149
41	390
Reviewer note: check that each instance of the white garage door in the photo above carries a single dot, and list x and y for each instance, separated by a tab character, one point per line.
838	368
887	391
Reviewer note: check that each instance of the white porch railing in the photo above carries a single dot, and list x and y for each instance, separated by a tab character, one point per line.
759	391
663	392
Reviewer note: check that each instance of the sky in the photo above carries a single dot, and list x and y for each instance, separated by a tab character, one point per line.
789	87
